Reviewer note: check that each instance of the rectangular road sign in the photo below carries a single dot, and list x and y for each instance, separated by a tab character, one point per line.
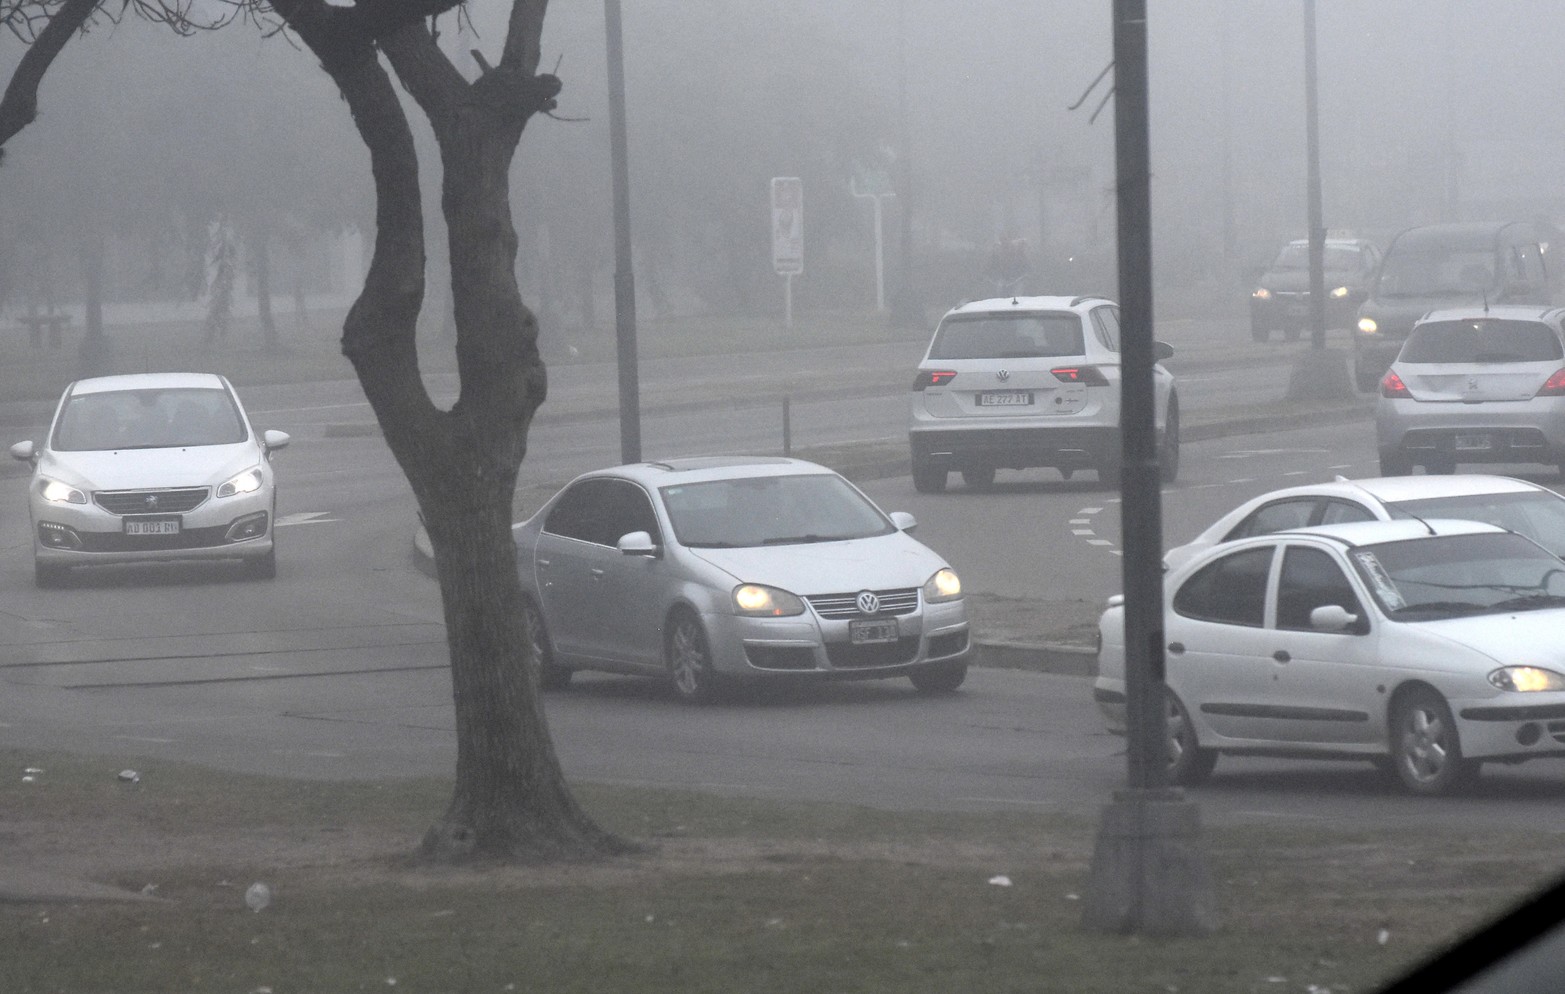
787	225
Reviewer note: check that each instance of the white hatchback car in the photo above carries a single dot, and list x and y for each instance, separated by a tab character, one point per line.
1018	382
147	467
1425	647
1522	506
1475	385
706	570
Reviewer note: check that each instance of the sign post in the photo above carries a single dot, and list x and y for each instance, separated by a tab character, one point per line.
788	235
877	187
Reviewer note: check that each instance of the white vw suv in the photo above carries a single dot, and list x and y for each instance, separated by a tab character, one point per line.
1018	382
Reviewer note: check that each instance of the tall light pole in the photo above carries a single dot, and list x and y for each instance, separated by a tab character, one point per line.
624	277
907	311
1147	873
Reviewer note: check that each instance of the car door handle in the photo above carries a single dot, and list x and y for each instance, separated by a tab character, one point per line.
597	573
1281	655
1177	648
542	563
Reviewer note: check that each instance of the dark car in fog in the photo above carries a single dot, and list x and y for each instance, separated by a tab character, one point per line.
1281	298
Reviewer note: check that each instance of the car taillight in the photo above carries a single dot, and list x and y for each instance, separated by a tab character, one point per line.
1554	386
1091	376
933	378
1391	385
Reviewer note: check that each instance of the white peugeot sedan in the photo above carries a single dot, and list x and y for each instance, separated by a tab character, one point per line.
1425	647
148	467
705	570
1522	506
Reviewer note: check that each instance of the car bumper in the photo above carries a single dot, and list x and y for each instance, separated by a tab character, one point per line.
1293	314
1109	695
1508	728
1018	446
808	646
1492	432
87	535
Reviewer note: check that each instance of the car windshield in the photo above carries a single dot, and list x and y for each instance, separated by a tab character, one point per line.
1010	336
1538	514
148	419
1487	340
1436	273
1452	576
1337	258
771	510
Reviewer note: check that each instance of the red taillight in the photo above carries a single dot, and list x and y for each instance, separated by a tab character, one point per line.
1091	376
1554	386
1391	385
933	378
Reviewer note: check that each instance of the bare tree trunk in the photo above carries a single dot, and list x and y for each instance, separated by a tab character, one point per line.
510	798
261	266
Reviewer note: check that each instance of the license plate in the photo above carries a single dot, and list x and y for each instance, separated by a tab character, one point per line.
1005	398
152	526
865	632
1470	443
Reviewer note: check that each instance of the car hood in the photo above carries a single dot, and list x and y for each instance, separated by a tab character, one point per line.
135	469
1517	638
884	562
1298	280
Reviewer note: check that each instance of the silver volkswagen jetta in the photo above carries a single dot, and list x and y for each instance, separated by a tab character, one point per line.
702	570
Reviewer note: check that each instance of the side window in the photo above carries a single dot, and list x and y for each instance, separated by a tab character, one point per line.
577	510
1334	512
1311	579
1231	590
628	510
1105	321
1275	517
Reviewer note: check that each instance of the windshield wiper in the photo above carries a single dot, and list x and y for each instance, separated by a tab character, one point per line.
802	539
1451	608
714	545
1530	602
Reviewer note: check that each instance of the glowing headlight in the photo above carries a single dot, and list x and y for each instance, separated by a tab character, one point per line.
1262	294
1339	292
1526	679
943	586
756	601
247	482
60	493
1368	326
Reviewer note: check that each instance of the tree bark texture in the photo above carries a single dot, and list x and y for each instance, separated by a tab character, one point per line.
510	799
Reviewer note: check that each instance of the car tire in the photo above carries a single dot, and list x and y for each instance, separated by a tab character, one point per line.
263	567
938	678
689	655
1292	334
551	676
928	477
47	576
1168	452
1188	763
1426	753
1395	462
978	477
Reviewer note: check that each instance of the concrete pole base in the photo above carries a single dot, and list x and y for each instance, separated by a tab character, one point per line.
1321	374
1148	873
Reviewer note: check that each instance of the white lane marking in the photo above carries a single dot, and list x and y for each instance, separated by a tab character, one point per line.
145	738
1247	453
1099	541
1082	531
305	518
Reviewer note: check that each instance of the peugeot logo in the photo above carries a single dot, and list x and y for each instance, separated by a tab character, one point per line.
1003	375
868	603
151	500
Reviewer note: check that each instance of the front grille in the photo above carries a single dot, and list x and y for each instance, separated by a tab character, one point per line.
151	501
846	656
841	606
189	538
773	657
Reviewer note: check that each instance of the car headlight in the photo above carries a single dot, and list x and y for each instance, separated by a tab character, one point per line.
756	601
1368	326
1262	294
1339	292
943	586
60	493
247	482
1526	679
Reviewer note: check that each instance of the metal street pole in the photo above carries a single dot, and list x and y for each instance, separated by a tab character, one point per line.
907	312
1317	226
624	278
1147	873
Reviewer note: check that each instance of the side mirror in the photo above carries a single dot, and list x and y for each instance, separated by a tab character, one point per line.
274	439
1333	618
904	521
636	544
1161	351
23	451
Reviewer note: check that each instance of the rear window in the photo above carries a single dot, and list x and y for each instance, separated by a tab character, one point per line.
1009	336
1488	340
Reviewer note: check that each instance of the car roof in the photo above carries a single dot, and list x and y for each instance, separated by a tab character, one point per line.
149	381
705	469
1024	304
1510	312
1395	489
1370	532
1456	234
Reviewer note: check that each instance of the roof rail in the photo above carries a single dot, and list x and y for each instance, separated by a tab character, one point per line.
1086	297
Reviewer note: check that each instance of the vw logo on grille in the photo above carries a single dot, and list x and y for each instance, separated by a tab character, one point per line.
151	500
1472	383
868	603
1003	375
